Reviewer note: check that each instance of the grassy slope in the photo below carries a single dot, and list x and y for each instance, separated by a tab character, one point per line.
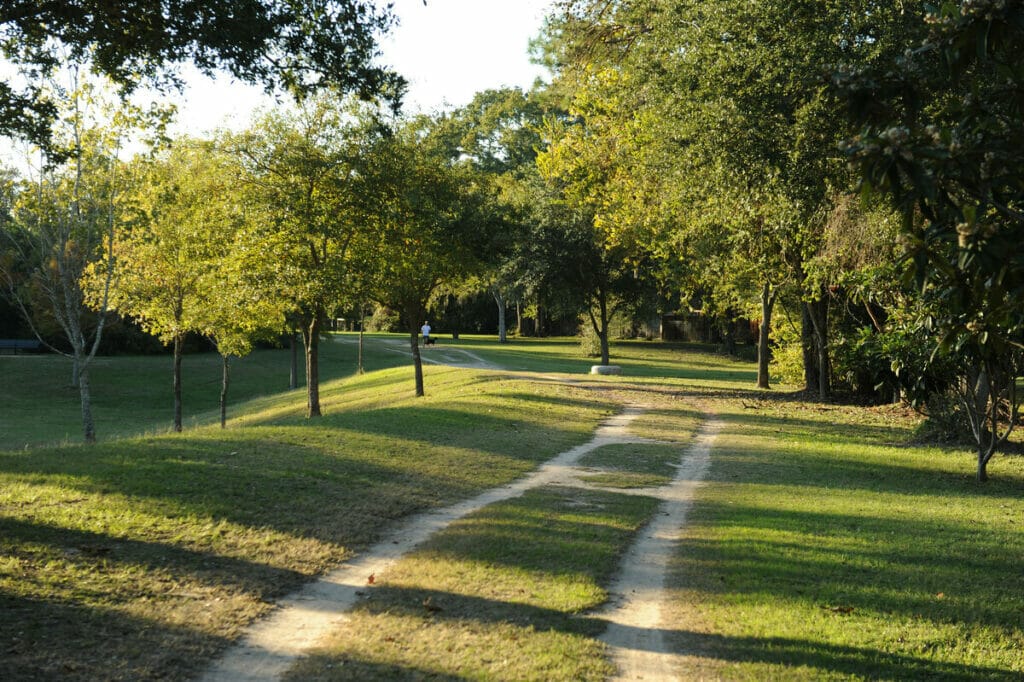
821	547
162	547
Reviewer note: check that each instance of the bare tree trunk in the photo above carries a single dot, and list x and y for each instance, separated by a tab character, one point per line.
311	339
818	314
519	318
177	382
88	426
502	305
764	335
417	361
225	378
601	328
362	325
293	371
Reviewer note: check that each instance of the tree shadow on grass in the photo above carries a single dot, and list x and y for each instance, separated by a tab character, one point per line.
454	615
46	640
70	610
855	457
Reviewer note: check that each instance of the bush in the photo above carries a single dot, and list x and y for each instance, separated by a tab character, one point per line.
384	320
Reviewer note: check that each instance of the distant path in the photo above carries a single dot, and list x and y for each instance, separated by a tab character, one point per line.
435	355
634	635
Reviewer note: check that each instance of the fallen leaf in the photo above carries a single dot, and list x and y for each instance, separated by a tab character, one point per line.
372	579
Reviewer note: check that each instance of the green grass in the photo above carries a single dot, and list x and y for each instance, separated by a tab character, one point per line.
132	394
822	548
163	547
498	595
632	465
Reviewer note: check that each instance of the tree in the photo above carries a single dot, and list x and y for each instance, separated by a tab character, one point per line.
499	133
299	46
942	136
305	171
427	224
168	257
683	98
68	218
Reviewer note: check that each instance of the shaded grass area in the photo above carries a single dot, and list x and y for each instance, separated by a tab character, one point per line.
132	394
143	557
822	549
498	595
632	465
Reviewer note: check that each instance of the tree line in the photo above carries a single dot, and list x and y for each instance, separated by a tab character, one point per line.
847	174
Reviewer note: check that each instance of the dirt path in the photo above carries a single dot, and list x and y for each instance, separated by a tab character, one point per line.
634	634
301	620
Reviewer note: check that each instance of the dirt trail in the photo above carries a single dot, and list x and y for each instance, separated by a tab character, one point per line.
634	634
301	620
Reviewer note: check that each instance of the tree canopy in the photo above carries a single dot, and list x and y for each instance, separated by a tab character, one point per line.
298	46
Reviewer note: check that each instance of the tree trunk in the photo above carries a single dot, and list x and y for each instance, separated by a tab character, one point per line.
602	329
764	335
502	305
311	339
88	426
819	320
414	344
807	346
519	318
225	379
362	325
293	371
178	343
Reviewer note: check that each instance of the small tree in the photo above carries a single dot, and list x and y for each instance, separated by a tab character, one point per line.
304	172
67	219
167	259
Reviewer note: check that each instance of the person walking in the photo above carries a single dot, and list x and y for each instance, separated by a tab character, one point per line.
425	330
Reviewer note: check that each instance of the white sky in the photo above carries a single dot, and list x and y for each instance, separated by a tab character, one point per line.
448	50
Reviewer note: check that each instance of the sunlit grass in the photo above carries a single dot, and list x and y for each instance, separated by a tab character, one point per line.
821	548
632	465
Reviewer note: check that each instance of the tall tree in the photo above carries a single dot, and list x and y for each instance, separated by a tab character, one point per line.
305	169
299	46
428	226
943	137
685	96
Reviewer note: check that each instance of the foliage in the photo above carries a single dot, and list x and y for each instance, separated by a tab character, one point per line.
65	221
428	224
942	138
297	46
304	174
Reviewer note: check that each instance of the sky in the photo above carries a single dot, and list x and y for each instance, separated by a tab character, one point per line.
447	49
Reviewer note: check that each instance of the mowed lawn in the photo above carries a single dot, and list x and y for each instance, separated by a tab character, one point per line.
822	546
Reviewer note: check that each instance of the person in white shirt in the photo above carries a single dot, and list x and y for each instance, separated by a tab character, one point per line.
425	330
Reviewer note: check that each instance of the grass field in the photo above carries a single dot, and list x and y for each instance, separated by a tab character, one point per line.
823	545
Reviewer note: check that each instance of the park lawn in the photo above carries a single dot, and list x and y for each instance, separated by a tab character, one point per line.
501	594
132	394
823	546
633	465
143	557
